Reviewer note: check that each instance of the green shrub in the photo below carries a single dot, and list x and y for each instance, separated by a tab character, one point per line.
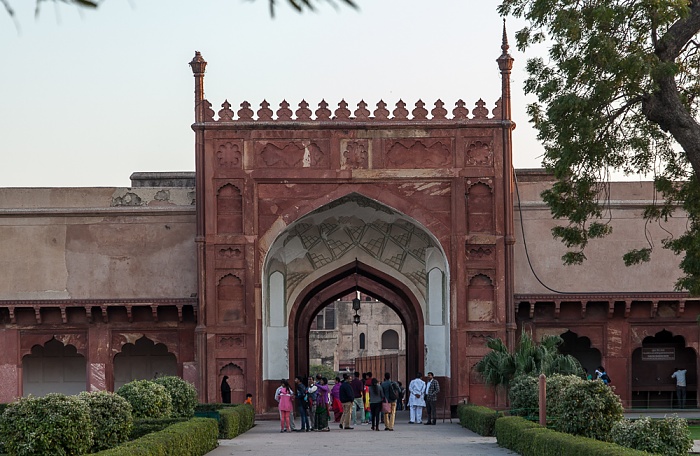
182	394
194	437
54	424
588	408
111	418
149	425
235	421
669	436
147	399
529	439
524	396
509	430
476	418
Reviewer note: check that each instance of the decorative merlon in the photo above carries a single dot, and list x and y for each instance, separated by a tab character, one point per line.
342	113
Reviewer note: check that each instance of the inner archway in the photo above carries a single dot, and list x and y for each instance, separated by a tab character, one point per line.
370	282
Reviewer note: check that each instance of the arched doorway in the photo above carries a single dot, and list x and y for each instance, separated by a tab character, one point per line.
142	360
652	366
354	244
580	348
53	368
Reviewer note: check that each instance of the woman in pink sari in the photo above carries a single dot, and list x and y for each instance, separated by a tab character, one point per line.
285	406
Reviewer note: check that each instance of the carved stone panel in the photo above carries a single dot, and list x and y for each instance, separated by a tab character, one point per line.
230	341
419	153
294	153
479	338
354	154
230	256
480	253
229	154
479	153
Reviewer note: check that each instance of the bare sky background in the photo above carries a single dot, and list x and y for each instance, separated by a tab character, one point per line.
88	97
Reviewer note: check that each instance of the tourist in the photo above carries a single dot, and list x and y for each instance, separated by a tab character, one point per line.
225	390
336	405
285	406
347	398
312	399
248	399
358	407
416	402
432	388
602	375
391	395
402	395
322	412
302	404
278	392
679	375
376	397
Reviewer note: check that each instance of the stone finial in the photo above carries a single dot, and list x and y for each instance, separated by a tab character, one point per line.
505	61
198	64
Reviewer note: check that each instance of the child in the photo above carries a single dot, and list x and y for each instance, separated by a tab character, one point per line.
248	399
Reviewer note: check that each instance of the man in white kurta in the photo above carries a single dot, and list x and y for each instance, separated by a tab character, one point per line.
416	401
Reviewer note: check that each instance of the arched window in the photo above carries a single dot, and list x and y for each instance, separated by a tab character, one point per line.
390	340
362	341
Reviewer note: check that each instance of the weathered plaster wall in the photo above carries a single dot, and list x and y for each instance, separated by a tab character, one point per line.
97	243
604	271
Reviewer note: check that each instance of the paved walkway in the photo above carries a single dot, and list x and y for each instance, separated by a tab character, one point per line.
442	440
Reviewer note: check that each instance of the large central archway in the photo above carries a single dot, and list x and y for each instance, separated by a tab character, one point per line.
353	243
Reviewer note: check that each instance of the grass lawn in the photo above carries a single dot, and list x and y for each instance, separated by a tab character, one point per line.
694	432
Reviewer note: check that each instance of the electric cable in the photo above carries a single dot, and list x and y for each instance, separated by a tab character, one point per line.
527	253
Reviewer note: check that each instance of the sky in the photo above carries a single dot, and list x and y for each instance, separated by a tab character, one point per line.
89	97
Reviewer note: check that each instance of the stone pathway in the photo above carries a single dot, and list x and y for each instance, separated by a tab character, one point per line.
441	440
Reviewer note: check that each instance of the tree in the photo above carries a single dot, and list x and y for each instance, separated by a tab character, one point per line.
299	5
500	366
618	93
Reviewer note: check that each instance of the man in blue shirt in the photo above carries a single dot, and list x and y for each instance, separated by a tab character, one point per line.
679	375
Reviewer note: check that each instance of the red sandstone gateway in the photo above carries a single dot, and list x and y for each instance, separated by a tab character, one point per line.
297	206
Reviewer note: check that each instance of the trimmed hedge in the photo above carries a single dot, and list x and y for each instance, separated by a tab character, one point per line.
478	419
529	439
234	421
195	437
148	425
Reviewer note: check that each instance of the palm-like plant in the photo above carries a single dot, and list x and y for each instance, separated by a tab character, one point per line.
500	366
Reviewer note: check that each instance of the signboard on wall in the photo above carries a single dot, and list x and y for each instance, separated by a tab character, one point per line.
659	354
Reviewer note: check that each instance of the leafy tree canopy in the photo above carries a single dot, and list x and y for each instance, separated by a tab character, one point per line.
299	5
618	92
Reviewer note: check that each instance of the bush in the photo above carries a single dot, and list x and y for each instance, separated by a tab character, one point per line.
476	418
182	394
235	421
529	439
588	408
111	418
524	396
54	424
194	437
147	399
150	425
669	436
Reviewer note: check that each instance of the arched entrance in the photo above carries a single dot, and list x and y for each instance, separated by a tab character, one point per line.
652	366
344	280
354	243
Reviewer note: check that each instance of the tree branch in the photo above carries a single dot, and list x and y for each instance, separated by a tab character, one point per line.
679	34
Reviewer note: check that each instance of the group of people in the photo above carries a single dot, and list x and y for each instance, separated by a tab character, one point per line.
353	401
